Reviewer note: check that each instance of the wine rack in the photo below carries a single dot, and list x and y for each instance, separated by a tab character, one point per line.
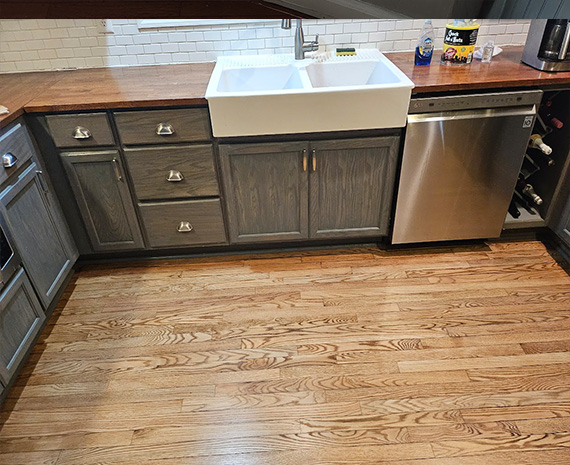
547	180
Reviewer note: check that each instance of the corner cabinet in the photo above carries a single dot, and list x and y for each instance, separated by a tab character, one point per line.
39	232
101	191
309	190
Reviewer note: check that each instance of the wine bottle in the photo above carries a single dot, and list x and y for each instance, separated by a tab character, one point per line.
542	159
526	190
529	167
554	121
513	209
522	202
536	142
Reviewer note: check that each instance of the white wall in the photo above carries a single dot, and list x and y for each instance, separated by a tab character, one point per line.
44	44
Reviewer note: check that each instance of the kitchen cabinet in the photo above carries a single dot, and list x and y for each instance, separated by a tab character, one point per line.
351	186
266	190
563	227
183	223
301	190
99	185
39	231
21	318
172	172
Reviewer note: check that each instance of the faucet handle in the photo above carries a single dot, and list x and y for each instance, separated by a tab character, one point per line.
316	41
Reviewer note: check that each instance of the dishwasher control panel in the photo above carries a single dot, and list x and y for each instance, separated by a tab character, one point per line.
468	102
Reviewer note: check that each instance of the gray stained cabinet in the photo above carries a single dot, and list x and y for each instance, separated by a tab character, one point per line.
104	199
173	172
351	186
21	318
300	190
563	227
39	232
266	189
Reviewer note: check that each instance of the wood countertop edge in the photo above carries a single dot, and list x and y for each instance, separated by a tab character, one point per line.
115	105
11	117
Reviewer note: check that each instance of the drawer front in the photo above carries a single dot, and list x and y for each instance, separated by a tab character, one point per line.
173	172
163	126
182	224
16	148
87	130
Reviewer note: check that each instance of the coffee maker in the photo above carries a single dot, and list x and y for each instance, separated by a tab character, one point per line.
548	45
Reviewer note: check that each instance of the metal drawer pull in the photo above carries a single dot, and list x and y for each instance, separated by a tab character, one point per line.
164	129
305	161
175	176
81	133
117	170
185	227
314	160
9	160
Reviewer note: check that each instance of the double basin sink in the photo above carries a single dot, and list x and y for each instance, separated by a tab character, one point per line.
276	94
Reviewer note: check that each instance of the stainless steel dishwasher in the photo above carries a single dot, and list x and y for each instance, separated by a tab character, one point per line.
461	159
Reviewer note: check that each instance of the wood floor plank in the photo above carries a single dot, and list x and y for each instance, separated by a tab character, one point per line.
559	409
339	382
381	406
59	442
485	362
436	433
526	442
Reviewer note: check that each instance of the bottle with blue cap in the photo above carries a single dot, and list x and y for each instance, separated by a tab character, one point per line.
424	49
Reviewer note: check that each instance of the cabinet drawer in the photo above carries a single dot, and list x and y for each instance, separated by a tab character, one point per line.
163	126
21	317
81	130
173	172
199	221
17	143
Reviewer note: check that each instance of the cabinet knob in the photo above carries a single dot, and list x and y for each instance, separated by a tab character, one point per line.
9	160
164	129
185	227
81	133
175	176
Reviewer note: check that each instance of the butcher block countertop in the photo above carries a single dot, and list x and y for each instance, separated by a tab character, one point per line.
171	85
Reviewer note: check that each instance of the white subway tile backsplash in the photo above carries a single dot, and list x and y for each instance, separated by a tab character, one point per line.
28	45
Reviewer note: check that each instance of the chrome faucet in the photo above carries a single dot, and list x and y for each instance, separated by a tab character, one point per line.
301	47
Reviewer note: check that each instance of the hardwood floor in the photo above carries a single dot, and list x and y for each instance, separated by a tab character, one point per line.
449	356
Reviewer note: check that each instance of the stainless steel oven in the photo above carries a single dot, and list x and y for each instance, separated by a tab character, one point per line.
9	258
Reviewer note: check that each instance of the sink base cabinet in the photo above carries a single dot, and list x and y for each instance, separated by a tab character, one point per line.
103	195
39	232
351	187
266	191
300	190
21	318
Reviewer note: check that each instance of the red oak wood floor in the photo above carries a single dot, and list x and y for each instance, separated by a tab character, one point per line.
449	356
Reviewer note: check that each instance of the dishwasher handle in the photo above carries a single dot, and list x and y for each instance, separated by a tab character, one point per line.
527	110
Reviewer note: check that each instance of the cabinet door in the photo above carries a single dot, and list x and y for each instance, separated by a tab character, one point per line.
21	317
104	199
266	191
351	186
39	232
